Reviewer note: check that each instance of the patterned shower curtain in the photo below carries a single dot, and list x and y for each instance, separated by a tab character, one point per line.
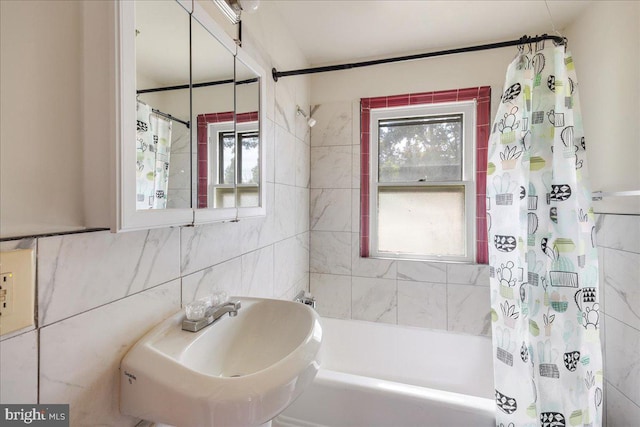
542	254
153	148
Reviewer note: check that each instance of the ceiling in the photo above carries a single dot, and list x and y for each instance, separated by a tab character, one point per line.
335	31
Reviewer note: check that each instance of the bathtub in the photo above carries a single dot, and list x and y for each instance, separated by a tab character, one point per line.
383	375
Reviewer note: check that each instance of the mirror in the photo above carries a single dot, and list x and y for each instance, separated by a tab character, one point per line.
213	114
163	151
197	141
248	141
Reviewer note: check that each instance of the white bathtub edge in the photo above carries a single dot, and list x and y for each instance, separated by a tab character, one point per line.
456	401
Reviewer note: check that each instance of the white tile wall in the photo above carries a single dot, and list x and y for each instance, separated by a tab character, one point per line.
334	124
622	286
422	304
368	267
285	211
80	356
331	167
434	272
330	209
257	273
19	369
226	276
468	309
333	294
330	252
621	412
374	300
623	358
198	252
619	257
81	271
285	149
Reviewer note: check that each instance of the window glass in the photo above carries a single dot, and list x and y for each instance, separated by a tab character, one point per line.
427	148
422	220
227	160
250	166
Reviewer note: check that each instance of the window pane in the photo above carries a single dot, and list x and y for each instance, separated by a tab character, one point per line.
225	197
248	197
422	221
425	148
250	152
227	162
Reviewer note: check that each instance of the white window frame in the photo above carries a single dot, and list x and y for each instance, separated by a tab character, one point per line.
468	111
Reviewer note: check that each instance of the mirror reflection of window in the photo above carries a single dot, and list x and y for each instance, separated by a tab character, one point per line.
234	163
226	158
247	92
213	105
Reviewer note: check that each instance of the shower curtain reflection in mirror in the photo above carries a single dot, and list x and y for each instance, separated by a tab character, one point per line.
153	150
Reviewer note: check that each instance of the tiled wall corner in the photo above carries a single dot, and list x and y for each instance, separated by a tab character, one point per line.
333	294
618	238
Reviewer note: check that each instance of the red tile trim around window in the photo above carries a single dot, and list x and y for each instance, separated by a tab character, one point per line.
203	156
483	116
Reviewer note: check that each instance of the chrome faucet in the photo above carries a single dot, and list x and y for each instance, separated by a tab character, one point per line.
212	315
306	298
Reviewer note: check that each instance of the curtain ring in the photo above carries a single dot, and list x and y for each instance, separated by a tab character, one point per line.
521	43
531	43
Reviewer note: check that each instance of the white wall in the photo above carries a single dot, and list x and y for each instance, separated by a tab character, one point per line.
41	116
605	41
486	68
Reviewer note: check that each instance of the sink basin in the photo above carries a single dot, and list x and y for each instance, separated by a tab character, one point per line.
239	371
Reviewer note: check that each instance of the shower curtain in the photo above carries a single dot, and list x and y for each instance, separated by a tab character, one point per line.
153	148
542	249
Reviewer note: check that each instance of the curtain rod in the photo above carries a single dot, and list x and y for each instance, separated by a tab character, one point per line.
196	85
169	117
523	40
596	196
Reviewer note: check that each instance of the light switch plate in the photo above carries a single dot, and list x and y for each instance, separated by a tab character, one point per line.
17	290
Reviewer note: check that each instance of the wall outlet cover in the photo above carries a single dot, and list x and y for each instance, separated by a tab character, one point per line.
17	290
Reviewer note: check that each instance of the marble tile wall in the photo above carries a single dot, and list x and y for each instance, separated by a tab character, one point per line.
98	292
618	238
427	294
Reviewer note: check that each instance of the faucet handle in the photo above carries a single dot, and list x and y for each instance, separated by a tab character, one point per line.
196	310
218	298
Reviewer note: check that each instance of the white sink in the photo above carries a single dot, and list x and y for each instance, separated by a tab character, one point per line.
239	371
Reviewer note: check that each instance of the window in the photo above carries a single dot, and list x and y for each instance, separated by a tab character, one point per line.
422	196
223	148
219	184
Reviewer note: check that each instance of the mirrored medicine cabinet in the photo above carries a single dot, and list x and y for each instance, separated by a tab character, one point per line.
190	117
